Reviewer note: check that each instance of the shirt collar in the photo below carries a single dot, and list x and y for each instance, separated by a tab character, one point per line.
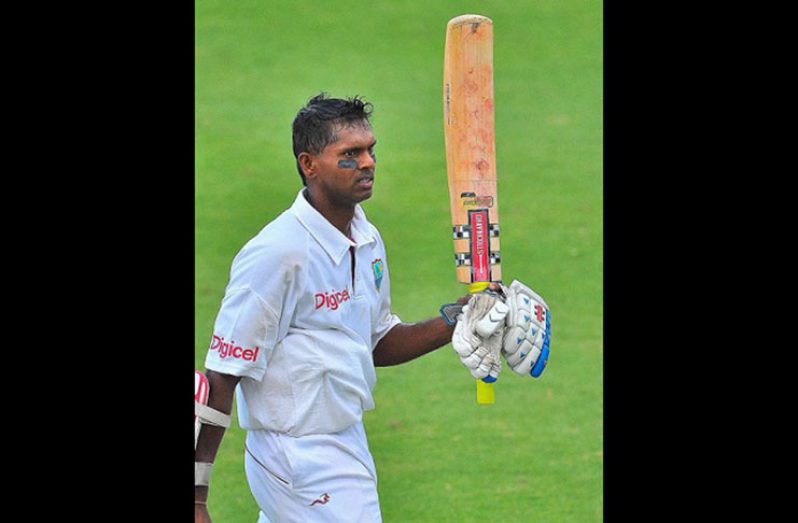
333	241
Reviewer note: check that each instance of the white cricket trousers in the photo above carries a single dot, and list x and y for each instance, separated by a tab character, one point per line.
314	478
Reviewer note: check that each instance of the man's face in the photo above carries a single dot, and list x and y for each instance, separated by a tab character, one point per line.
344	170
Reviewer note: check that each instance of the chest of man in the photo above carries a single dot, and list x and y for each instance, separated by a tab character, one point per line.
344	296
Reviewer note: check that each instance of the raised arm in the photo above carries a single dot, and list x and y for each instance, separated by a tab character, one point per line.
407	341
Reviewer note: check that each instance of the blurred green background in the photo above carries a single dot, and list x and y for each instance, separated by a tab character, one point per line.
536	455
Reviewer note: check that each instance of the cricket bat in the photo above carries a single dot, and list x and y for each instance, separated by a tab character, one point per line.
468	120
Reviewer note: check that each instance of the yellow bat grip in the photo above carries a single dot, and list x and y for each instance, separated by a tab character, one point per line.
478	286
485	393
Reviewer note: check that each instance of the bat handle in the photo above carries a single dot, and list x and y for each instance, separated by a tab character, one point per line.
478	286
485	393
449	312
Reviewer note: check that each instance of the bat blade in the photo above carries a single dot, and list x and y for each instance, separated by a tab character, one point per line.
470	147
469	131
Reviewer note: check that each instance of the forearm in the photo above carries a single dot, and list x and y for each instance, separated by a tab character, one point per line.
407	341
222	388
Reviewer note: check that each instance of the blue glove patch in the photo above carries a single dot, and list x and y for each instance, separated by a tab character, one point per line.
540	366
489	379
543	359
449	312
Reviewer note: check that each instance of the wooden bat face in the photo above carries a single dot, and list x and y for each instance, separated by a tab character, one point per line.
470	147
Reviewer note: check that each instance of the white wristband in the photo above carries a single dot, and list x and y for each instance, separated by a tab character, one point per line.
202	474
211	416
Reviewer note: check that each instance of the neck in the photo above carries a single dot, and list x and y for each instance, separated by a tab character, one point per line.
339	216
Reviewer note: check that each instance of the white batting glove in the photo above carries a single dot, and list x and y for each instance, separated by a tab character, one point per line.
477	337
526	338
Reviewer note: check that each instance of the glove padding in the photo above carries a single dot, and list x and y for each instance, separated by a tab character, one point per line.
526	339
477	337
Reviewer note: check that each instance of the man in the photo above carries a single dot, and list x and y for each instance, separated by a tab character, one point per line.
306	318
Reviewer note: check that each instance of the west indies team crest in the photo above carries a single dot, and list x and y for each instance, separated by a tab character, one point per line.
377	266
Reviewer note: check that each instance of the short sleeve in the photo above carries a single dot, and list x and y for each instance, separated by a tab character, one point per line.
386	320
244	334
258	302
385	323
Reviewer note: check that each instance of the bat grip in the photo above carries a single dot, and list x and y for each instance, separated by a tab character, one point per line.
485	392
478	286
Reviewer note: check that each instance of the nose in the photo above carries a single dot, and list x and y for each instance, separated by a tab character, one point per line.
367	161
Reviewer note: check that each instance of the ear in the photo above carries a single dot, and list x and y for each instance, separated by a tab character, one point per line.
308	164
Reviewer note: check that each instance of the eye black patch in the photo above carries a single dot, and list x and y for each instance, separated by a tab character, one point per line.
347	164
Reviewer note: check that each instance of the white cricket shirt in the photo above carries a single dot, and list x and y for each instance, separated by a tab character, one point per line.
299	325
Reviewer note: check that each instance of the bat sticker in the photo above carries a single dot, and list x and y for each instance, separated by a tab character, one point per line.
470	199
480	246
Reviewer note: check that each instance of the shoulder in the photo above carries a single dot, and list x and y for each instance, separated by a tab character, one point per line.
280	245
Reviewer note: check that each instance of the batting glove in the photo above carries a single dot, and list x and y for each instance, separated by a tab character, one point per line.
526	339
477	337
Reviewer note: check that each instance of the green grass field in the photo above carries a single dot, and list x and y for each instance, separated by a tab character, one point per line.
536	455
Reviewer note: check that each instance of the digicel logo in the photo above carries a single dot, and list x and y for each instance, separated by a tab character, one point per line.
331	299
231	349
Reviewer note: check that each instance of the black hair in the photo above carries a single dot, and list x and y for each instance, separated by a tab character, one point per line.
314	126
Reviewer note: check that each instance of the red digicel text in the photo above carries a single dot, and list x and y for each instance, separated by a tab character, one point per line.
234	351
331	299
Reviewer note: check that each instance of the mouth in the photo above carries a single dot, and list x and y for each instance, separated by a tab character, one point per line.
366	181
